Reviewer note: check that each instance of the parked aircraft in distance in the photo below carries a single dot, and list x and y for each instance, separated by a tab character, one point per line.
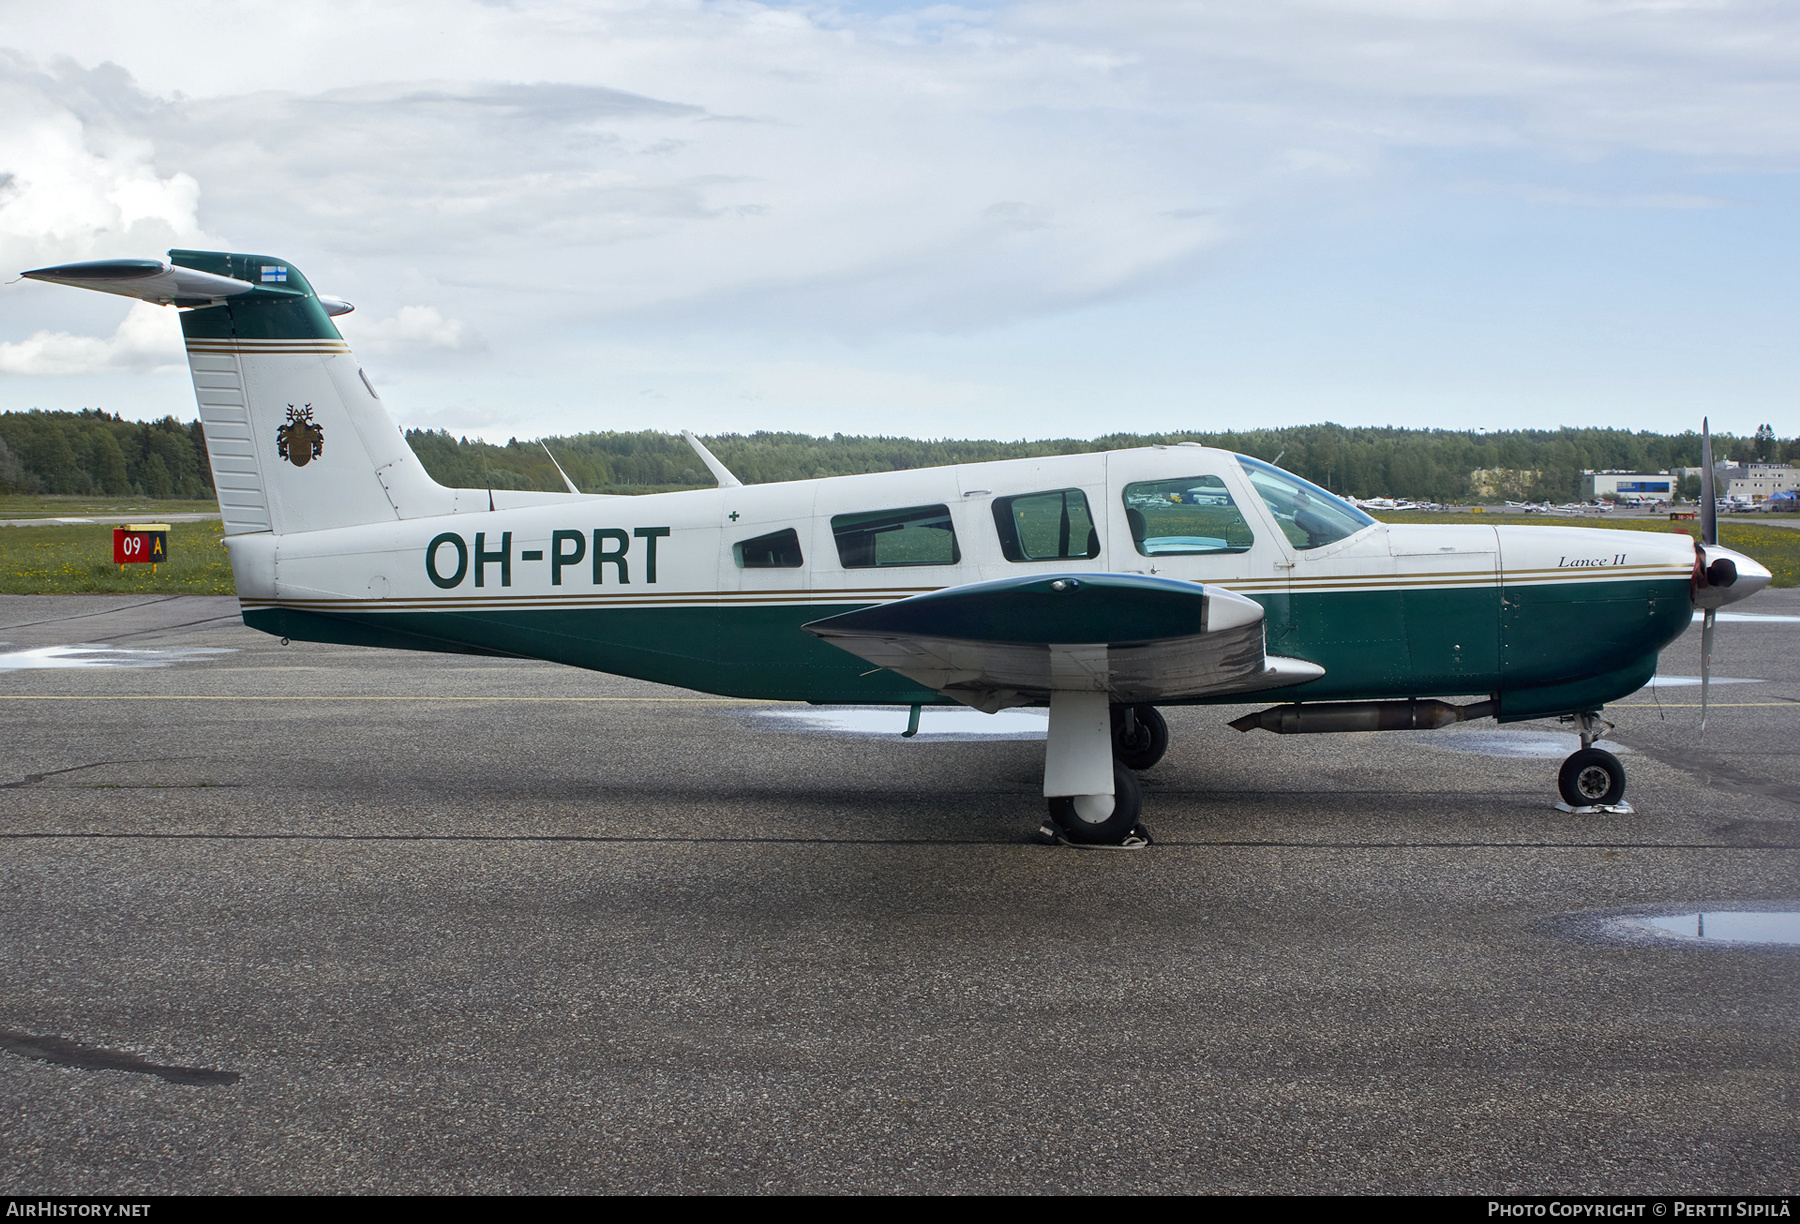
1099	585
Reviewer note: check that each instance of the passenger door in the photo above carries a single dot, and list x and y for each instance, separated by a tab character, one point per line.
765	564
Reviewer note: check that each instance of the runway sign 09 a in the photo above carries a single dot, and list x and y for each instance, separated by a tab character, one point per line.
141	543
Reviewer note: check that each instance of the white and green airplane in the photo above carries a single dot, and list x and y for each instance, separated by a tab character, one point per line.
1099	585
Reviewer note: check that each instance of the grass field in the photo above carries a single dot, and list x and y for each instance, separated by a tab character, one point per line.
77	559
27	505
1776	546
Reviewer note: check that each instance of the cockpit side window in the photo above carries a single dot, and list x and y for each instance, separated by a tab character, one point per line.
1309	516
1189	517
1053	526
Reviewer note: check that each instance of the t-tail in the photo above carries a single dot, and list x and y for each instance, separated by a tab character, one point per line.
297	436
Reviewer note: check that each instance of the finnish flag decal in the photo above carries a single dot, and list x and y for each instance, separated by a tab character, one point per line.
274	272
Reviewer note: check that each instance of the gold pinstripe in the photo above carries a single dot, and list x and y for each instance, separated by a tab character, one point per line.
832	595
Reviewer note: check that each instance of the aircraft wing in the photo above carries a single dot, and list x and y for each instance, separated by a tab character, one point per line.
1012	642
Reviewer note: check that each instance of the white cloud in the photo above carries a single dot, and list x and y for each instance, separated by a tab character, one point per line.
808	167
78	178
412	327
147	340
547	172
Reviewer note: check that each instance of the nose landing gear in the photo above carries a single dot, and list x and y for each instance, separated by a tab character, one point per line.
1592	780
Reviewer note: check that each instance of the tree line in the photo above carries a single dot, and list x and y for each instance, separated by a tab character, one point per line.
92	452
1424	464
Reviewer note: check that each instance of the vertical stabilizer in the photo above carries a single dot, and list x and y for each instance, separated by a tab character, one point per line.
298	439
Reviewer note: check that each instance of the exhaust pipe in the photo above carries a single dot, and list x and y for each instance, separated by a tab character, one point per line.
1416	714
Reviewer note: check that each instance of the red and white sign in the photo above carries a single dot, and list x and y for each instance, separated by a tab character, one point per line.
141	543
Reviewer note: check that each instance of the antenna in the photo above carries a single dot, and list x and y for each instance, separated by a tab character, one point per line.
558	467
720	472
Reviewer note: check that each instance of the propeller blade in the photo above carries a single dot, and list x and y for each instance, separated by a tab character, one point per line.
1706	643
1709	505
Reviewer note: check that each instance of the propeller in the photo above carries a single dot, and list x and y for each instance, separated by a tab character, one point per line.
1709	538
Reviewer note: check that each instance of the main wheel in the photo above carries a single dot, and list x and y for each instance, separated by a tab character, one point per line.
1081	820
1143	743
1591	778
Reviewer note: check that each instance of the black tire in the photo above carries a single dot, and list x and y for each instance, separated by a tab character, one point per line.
1128	805
1591	778
1146	743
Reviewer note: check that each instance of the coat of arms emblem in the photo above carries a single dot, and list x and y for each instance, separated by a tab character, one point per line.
300	440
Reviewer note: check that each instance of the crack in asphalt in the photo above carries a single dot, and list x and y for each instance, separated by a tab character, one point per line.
34	779
62	1052
56	620
598	839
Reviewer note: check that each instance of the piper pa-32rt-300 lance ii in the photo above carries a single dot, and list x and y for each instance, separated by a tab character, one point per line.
1099	585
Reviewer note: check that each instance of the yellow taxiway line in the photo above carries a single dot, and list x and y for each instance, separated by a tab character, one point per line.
1632	705
1695	705
293	697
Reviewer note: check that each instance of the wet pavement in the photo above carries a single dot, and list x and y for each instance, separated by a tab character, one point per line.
141	516
313	918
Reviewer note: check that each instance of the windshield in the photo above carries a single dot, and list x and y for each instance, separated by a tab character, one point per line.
1309	516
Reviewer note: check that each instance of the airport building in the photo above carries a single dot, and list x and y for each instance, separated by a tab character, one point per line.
1757	481
1631	486
1754	481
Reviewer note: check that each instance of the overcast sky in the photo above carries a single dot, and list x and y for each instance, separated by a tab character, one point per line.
980	220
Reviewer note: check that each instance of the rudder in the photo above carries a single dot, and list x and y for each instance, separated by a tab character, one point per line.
298	439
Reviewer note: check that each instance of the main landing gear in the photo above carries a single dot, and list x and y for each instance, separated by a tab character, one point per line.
1592	779
1093	795
1102	820
1140	736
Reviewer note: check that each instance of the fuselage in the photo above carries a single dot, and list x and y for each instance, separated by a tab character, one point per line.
662	587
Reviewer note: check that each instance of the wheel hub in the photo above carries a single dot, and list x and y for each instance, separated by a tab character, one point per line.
1593	782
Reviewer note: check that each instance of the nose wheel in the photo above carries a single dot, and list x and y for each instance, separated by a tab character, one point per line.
1592	778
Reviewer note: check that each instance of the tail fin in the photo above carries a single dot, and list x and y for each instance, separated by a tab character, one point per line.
298	439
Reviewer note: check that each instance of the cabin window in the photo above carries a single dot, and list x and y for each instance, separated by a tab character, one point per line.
1054	526
777	550
1190	517
917	535
1309	516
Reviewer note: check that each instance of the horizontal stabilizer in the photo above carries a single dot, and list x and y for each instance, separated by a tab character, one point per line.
1015	641
148	280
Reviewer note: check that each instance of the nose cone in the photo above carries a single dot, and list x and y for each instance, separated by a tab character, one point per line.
1728	576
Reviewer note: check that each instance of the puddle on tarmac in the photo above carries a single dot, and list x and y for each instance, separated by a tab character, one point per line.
1530	745
1686	681
92	655
1729	926
1750	618
938	723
